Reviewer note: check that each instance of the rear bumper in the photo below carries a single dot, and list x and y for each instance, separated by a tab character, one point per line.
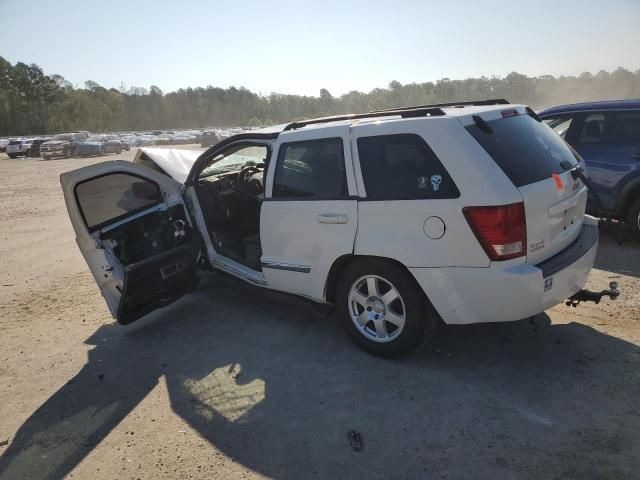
502	293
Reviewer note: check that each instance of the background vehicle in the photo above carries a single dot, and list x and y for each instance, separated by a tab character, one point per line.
400	218
127	142
3	144
28	147
61	145
607	135
98	145
32	146
209	138
14	148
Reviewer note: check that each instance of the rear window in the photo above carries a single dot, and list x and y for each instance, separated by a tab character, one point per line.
526	150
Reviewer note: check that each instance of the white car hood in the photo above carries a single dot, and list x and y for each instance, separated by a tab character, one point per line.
175	162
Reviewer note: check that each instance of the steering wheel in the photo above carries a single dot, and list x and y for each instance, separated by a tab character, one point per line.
245	185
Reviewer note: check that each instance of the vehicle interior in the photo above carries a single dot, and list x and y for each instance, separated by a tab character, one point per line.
230	190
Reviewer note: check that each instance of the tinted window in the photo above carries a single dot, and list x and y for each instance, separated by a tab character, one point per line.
526	150
109	197
593	128
626	127
402	167
560	125
313	168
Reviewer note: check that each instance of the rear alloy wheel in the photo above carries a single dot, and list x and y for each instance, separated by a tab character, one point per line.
633	219
383	309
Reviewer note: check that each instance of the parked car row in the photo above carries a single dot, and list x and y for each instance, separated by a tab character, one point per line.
82	144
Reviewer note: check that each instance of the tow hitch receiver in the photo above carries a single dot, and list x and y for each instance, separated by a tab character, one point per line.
589	296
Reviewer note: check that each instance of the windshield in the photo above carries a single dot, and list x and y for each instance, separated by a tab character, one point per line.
526	150
95	138
64	137
235	159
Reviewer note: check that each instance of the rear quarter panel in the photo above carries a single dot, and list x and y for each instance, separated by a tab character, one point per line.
395	229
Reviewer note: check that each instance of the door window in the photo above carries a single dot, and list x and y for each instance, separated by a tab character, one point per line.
593	128
626	127
402	167
560	125
311	169
109	198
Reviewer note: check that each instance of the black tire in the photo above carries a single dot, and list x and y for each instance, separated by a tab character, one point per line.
12	155
46	157
67	153
119	151
633	219
420	319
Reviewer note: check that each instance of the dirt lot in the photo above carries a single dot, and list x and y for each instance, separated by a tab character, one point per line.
234	382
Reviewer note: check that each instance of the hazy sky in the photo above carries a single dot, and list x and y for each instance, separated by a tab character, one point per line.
301	47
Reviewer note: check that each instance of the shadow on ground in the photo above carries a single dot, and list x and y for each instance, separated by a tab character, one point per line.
613	257
276	387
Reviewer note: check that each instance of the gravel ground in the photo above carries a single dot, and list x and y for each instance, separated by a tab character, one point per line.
236	382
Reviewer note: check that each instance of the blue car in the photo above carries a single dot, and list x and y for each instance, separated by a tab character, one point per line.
98	145
607	135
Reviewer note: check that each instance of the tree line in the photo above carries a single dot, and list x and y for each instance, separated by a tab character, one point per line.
32	102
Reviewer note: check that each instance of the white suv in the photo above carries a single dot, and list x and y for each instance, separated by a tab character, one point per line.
464	212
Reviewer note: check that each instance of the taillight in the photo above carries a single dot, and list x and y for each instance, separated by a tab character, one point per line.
501	230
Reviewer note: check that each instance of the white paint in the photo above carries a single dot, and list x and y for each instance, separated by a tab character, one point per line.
434	228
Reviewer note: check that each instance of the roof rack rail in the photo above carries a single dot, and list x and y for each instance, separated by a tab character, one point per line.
492	101
403	112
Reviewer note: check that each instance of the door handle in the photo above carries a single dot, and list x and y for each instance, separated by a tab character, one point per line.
332	218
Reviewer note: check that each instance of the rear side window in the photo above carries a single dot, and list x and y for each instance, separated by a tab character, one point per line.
593	128
311	169
402	167
106	199
626	127
526	150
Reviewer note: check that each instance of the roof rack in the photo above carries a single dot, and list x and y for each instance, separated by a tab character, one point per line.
403	112
492	101
433	110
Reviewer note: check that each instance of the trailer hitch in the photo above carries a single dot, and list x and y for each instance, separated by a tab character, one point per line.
589	296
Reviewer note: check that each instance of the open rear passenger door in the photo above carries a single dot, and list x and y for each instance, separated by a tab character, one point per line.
135	234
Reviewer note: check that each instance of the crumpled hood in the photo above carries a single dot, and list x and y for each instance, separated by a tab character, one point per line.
175	162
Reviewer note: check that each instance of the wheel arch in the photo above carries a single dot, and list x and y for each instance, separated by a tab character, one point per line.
342	262
630	192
